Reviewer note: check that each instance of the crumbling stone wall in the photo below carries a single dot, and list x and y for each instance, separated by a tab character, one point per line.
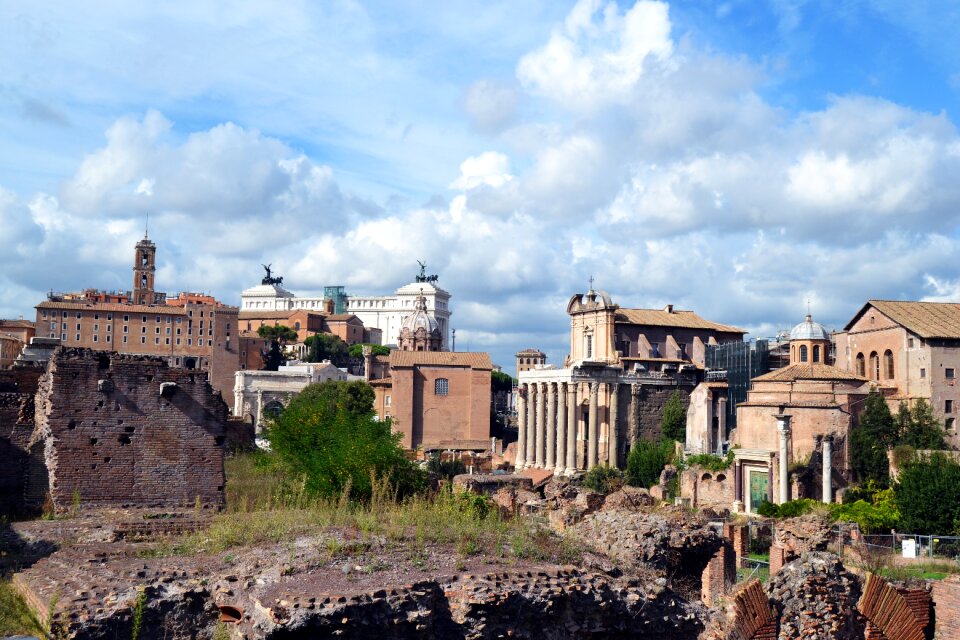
17	387
792	537
128	430
650	405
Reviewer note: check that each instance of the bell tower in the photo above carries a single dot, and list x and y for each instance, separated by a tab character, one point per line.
144	266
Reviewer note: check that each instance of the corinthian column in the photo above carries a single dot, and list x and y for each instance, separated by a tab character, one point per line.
783	429
521	452
541	422
613	442
531	424
551	425
573	409
592	427
561	427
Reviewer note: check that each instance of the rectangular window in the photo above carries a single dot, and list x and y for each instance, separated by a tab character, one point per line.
143	339
53	325
124	339
126	318
923	373
168	340
94	338
157	330
909	343
143	329
441	387
169	320
948	406
143	318
156	340
63	337
178	330
78	326
168	330
78	337
386	401
109	328
109	316
78	315
64	314
96	327
948	373
158	318
96	316
189	341
179	320
108	339
178	340
125	327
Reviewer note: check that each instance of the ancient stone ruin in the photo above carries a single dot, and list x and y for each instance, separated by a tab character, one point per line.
100	428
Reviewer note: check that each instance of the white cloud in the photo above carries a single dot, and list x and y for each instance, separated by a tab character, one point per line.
489	168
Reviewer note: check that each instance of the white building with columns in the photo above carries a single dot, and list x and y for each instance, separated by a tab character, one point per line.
592	410
385	313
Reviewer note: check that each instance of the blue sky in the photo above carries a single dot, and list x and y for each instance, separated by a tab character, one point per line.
731	157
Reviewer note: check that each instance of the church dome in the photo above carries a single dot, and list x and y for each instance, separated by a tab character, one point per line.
809	330
420	318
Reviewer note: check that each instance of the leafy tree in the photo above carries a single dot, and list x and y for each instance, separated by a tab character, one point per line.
356	350
919	428
646	461
445	468
673	423
278	335
326	346
329	434
928	495
870	438
500	381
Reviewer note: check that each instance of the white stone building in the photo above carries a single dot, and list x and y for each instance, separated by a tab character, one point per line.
385	313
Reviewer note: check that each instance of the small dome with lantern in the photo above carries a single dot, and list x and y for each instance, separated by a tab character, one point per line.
420	331
809	330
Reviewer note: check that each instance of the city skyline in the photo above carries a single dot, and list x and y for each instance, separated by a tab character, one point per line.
731	158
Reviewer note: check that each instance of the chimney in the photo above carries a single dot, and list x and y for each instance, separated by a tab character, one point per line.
668	308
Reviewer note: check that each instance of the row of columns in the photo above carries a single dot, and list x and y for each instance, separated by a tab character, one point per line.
826	487
548	421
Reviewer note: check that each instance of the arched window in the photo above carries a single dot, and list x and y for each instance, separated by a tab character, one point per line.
793	353
888	364
861	368
874	366
949	423
296	326
803	353
816	353
441	387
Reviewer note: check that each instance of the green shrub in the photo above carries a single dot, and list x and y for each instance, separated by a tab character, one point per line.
603	479
446	469
709	461
329	435
790	509
871	518
646	462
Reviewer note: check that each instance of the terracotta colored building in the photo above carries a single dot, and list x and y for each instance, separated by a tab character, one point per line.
530	359
345	326
792	435
437	399
13	335
910	350
193	331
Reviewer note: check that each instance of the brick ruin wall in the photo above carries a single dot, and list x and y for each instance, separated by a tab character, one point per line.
128	431
17	389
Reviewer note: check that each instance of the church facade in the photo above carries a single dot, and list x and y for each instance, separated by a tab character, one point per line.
592	410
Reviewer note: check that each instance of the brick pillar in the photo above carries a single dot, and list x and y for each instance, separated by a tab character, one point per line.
719	575
778	557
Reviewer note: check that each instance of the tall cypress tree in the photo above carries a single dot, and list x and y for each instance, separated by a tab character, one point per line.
875	432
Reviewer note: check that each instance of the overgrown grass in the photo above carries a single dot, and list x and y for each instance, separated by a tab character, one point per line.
15	616
266	505
933	570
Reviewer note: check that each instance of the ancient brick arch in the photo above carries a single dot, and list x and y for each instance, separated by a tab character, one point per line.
888	612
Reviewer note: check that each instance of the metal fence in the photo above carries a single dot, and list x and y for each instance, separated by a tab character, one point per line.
920	546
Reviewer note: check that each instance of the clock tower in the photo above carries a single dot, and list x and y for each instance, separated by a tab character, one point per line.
144	266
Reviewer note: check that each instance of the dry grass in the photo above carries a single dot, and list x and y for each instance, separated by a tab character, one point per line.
15	616
265	506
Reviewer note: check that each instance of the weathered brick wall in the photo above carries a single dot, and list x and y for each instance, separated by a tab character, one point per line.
778	558
719	575
946	603
17	387
111	437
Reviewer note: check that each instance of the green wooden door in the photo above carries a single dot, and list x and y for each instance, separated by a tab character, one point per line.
759	485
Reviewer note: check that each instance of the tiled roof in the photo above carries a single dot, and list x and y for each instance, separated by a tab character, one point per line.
532	352
440	358
119	307
809	371
926	319
675	318
341	317
269	315
19	324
